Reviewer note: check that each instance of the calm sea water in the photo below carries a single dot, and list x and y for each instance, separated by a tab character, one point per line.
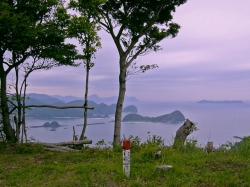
216	122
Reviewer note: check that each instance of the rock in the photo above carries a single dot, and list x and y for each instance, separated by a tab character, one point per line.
164	167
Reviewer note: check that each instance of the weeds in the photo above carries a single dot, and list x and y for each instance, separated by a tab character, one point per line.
32	165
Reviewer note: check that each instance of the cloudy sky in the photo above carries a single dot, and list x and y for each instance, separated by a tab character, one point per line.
209	59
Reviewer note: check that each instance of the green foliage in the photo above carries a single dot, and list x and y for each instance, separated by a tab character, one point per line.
157	140
149	20
85	31
29	148
103	167
102	144
34	29
243	146
191	143
31	28
227	146
26	148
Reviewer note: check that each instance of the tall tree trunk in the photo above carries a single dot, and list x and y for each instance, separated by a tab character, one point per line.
24	133
86	100
119	106
7	129
19	106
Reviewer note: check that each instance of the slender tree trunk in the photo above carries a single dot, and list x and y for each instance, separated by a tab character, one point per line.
86	100
119	106
8	130
24	133
19	106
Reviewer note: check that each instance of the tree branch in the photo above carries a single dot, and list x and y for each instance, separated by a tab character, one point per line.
12	103
12	110
16	64
58	107
110	28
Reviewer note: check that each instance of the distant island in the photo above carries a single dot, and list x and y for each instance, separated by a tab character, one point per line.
174	117
130	109
53	124
221	102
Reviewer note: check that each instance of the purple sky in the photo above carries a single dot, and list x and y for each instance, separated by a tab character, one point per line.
209	59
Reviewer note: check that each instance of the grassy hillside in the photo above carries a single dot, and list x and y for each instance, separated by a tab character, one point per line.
31	165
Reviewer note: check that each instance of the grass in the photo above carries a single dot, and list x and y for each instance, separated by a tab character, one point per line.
31	165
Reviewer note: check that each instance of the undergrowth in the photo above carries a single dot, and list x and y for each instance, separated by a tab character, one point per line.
33	165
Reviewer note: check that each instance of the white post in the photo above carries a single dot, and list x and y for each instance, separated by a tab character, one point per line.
126	157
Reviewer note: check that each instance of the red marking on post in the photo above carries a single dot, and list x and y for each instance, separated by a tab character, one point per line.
126	144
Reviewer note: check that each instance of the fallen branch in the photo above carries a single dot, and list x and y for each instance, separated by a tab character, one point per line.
86	141
59	147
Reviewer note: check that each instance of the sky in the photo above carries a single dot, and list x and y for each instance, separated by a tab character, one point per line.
209	59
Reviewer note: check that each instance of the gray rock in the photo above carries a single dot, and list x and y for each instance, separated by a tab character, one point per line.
164	167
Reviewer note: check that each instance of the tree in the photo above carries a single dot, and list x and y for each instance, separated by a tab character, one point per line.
20	91
30	28
84	29
136	27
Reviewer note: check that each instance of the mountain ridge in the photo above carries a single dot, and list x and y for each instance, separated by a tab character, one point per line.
93	97
100	110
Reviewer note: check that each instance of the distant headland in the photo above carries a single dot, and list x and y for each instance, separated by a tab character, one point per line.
221	102
174	117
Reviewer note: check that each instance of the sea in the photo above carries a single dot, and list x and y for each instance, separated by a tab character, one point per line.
217	123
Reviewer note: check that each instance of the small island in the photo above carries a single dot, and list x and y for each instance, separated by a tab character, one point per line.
174	117
52	125
221	102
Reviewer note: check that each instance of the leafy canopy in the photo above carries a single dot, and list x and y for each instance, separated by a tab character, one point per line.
34	28
135	25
